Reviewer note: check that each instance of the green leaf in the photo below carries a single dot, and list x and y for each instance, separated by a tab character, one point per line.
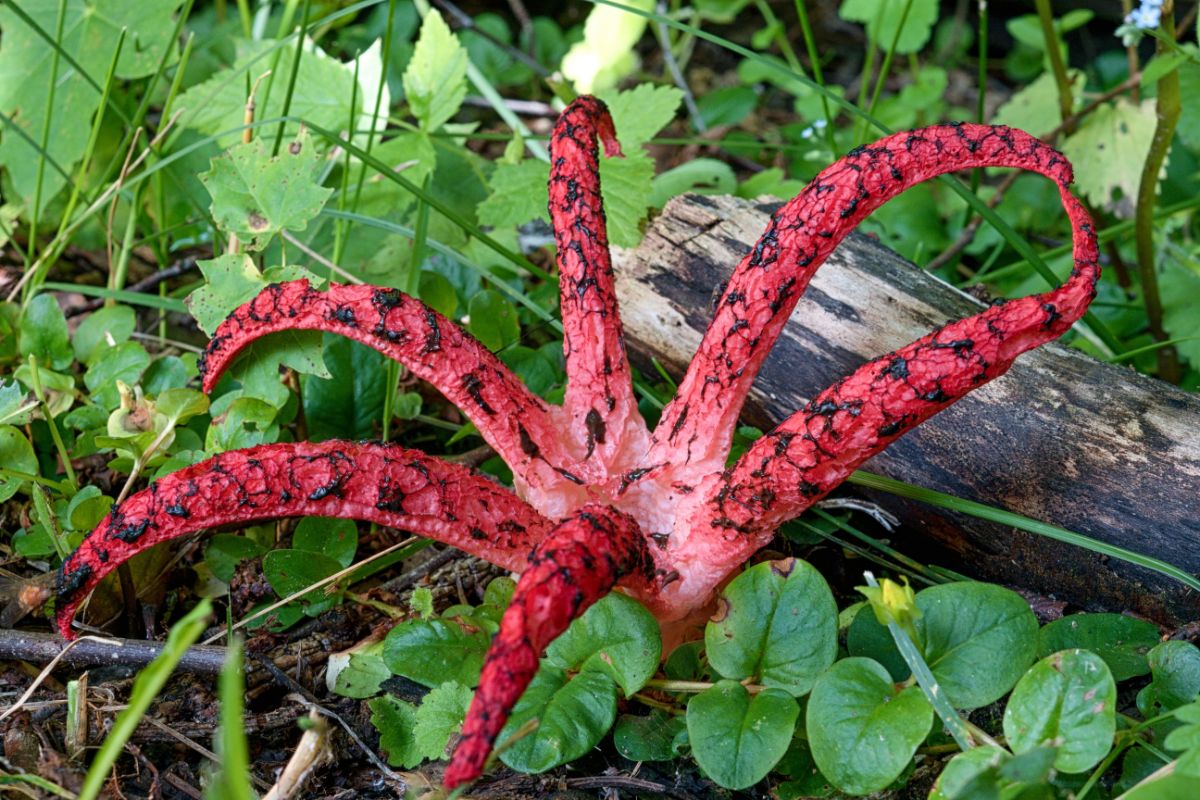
233	778
737	737
573	715
701	175
90	32
435	82
978	639
533	367
440	716
438	293
433	651
290	571
493	320
1067	699
625	187
335	538
322	94
126	362
1188	129
863	732
230	280
16	453
617	636
167	372
104	327
256	195
517	194
43	333
224	551
1176	669
1117	136
421	602
641	112
349	403
882	20
1035	108
363	677
771	181
1178	285
87	508
1121	641
868	639
16	404
395	720
776	624
988	772
652	737
246	422
726	106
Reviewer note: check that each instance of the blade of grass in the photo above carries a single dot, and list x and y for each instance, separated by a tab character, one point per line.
119	295
232	782
146	687
291	84
48	112
810	44
979	510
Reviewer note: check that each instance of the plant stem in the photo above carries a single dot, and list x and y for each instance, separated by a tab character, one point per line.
35	378
291	86
814	58
1065	101
1168	108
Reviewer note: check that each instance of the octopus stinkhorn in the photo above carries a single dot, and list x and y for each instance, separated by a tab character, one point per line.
601	501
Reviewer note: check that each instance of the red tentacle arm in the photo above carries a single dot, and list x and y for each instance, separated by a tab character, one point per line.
599	397
375	482
764	289
581	560
513	420
816	448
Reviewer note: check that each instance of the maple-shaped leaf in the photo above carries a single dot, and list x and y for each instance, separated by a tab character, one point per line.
256	195
435	81
1117	136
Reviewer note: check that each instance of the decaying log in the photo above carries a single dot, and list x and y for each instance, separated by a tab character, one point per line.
1063	438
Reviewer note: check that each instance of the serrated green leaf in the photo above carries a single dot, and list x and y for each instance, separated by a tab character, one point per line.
625	186
362	677
230	280
518	194
256	195
737	737
435	82
1118	136
641	112
440	716
395	720
882	20
1067	699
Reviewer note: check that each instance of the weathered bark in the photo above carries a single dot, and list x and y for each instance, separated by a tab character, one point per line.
1063	438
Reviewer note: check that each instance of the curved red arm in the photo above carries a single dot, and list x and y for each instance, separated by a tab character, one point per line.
698	423
580	561
816	448
599	397
513	420
379	483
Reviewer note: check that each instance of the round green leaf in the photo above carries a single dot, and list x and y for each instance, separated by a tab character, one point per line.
336	538
1175	666
573	715
43	333
432	651
651	737
979	638
290	571
1067	699
616	636
862	731
224	551
776	624
974	773
1121	641
738	737
493	320
125	362
867	638
103	328
16	453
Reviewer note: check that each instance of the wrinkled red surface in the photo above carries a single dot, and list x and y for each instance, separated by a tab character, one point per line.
661	518
599	396
512	419
579	562
380	483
